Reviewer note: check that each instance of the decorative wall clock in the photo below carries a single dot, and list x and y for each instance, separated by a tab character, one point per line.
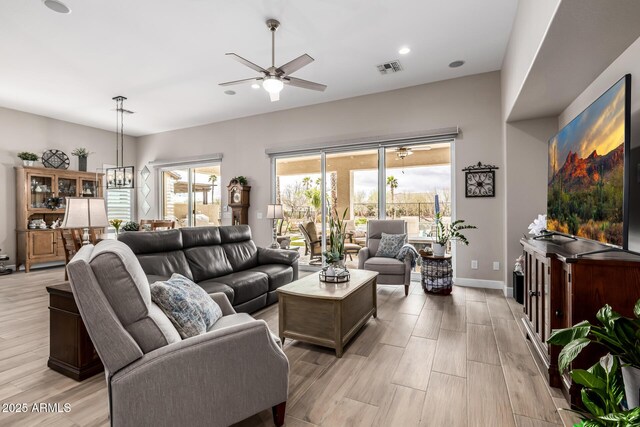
480	180
55	159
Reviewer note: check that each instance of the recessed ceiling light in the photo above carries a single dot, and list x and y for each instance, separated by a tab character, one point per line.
56	6
456	64
230	92
255	86
404	50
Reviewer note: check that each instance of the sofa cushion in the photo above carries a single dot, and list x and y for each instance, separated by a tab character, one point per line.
246	285
207	262
211	286
150	242
385	265
241	255
278	274
187	305
235	233
200	236
125	286
165	264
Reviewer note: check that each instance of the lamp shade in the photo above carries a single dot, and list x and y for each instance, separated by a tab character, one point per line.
275	212
82	212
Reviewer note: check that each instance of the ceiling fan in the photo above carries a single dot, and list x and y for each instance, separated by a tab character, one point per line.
274	78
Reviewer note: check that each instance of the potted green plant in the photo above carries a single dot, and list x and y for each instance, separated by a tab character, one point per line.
131	226
82	154
446	233
334	255
27	158
619	335
242	180
602	395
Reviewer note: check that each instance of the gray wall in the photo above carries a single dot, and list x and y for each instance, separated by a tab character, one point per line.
473	103
28	132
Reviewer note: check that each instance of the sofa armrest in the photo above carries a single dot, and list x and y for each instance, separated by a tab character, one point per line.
223	376
222	300
363	255
277	256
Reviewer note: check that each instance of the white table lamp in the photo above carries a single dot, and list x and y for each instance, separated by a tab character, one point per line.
85	212
275	212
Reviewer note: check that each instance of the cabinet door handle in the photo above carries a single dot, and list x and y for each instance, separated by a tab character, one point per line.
559	313
534	294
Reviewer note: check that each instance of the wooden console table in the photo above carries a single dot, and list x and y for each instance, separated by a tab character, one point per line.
562	289
71	351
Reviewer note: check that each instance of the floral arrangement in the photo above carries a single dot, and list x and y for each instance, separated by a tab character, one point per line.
538	225
116	223
81	152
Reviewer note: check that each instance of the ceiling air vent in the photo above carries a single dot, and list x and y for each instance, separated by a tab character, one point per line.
390	67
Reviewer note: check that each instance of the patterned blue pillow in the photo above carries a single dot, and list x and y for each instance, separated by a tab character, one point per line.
390	245
187	305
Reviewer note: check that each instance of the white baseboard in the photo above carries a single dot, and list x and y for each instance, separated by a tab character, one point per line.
478	283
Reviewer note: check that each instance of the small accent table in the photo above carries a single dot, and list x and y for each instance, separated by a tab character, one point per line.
437	274
71	351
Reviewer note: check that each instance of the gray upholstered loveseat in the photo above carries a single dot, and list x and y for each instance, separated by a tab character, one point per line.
219	259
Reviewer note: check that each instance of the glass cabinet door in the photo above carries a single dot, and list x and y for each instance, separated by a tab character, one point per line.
41	191
89	188
67	187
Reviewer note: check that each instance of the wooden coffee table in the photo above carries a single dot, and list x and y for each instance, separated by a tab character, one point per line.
327	314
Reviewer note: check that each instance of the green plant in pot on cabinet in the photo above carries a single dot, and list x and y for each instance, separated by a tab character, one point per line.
619	335
27	158
82	154
446	233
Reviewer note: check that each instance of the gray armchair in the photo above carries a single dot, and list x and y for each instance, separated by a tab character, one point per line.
391	271
155	377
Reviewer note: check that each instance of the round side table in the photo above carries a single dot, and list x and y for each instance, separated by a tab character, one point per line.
437	274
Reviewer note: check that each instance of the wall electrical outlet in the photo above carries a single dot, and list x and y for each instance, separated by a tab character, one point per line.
496	265
474	264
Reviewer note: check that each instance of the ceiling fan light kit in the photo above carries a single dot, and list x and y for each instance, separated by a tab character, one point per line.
274	78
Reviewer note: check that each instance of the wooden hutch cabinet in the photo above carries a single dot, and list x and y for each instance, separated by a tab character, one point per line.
34	187
562	289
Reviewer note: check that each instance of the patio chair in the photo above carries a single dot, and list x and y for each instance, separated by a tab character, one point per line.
158	224
391	271
313	244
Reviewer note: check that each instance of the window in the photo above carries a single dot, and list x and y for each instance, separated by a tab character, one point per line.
120	204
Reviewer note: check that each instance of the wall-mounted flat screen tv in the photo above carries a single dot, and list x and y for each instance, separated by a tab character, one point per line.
587	185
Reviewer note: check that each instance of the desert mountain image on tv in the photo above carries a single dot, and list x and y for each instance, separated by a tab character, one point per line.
586	172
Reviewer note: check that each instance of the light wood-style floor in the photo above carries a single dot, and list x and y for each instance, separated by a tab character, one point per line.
438	361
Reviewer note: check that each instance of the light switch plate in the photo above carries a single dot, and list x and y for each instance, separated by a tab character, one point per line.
496	265
474	264
259	215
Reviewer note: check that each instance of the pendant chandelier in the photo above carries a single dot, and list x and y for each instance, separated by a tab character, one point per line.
120	177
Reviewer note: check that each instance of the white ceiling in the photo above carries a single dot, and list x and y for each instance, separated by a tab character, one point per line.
168	57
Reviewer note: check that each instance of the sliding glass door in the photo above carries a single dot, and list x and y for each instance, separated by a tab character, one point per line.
191	195
406	180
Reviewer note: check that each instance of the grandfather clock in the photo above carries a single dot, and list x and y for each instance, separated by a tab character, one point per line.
239	202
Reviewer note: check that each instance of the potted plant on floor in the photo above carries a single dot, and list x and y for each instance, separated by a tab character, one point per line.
619	335
82	154
602	395
448	233
27	158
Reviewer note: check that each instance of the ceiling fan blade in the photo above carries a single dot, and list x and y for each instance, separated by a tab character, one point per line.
274	96
295	65
237	82
248	63
305	84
